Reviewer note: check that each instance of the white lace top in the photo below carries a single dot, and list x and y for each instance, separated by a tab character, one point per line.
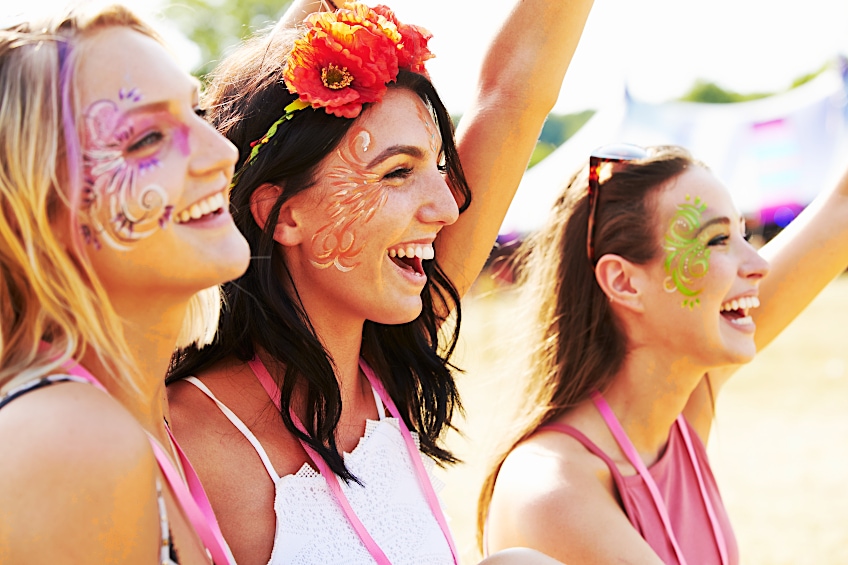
312	529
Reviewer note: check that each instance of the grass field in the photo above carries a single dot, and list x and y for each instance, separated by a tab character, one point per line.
779	448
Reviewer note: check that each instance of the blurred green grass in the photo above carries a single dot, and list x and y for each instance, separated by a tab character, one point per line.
779	447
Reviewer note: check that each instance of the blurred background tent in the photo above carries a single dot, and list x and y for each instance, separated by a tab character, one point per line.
774	154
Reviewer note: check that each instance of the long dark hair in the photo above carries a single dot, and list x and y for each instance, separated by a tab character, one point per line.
580	345
246	96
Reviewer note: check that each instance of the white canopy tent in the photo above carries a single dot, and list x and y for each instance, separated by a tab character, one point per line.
775	154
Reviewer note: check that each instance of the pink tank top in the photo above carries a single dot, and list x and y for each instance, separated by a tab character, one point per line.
678	486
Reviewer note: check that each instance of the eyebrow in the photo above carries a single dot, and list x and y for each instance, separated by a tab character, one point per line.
410	150
723	220
164	105
152	107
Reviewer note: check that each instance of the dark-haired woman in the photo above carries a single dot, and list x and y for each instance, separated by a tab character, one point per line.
315	417
647	297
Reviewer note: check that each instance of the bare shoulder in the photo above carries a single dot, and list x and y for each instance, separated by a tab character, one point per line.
554	496
77	470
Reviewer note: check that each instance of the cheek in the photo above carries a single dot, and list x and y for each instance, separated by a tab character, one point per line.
123	200
354	197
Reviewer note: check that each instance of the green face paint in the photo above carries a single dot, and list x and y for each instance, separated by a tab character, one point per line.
687	258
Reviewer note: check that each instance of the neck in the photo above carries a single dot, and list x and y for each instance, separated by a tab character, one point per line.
343	343
150	327
648	394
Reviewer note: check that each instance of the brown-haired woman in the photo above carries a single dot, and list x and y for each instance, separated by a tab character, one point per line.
647	295
367	223
113	220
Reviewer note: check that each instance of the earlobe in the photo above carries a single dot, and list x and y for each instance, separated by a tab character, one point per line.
620	280
286	231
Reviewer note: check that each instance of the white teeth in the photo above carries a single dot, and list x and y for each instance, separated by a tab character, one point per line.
746	321
199	209
744	303
423	252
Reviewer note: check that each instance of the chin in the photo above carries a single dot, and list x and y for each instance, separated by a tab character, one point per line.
233	258
400	314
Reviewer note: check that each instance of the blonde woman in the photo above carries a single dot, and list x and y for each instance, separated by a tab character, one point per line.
114	216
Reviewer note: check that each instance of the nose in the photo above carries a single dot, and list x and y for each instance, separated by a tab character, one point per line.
754	266
211	152
440	207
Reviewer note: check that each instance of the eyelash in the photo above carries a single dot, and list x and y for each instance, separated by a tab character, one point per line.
200	112
149	139
400	173
718	240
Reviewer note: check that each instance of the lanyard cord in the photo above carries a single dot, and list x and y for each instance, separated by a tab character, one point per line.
192	498
332	480
633	456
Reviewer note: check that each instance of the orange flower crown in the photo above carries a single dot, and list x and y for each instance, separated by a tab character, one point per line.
345	59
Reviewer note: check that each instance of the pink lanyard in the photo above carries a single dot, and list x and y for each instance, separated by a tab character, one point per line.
192	499
631	453
332	480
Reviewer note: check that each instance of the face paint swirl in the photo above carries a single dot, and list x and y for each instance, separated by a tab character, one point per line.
120	149
358	195
687	257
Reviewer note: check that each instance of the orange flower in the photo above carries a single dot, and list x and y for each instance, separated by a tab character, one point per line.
344	60
412	49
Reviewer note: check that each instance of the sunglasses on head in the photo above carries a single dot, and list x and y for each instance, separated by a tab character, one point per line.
615	153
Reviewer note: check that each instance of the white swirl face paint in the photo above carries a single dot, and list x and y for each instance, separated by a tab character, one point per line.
120	148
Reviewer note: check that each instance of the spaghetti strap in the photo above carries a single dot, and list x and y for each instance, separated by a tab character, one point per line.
587	443
381	410
236	421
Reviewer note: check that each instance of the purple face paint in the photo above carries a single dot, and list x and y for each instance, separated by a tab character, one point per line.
121	148
358	195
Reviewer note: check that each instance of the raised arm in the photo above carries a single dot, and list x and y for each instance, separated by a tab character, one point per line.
805	257
299	9
517	88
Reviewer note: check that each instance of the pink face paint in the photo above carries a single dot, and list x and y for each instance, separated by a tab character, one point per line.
357	196
120	148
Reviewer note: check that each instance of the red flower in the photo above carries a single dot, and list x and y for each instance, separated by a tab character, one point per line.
412	50
344	60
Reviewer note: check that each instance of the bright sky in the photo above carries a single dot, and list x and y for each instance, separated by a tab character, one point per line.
657	47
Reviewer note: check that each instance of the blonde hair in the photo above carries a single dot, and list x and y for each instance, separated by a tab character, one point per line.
52	306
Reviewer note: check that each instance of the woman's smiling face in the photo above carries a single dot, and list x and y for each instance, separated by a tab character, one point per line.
371	220
154	211
705	281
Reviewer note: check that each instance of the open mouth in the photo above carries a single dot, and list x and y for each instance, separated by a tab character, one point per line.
209	207
411	257
738	311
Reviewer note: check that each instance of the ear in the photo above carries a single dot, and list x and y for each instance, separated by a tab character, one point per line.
622	281
287	230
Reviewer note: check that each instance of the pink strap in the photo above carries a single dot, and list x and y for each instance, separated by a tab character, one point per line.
193	498
423	480
631	453
273	392
717	531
